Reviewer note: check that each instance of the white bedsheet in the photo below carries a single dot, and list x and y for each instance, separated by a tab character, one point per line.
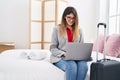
14	67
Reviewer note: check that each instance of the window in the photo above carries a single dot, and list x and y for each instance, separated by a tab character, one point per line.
114	17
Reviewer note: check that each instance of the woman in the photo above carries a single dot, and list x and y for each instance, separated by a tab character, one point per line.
67	31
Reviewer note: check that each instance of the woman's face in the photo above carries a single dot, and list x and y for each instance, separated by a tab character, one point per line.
70	19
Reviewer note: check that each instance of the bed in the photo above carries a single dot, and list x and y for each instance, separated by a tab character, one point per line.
22	64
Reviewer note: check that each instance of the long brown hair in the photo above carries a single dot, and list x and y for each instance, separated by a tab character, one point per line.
63	24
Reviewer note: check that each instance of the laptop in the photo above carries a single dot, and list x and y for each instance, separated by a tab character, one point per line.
78	51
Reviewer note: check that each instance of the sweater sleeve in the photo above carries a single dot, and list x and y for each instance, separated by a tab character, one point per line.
81	36
56	52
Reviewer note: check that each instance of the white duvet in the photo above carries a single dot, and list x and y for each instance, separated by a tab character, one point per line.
15	67
22	65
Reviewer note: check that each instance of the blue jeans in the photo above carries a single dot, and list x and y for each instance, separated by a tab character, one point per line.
74	70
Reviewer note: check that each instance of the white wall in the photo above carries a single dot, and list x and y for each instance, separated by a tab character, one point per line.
88	17
14	20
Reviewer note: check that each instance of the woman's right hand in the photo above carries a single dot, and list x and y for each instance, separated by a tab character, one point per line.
64	55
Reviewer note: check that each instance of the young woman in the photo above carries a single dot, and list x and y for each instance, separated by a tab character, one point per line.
67	31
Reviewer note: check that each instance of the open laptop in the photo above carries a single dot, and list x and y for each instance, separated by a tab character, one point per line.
78	51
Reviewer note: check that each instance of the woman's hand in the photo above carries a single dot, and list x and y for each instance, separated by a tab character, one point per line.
64	55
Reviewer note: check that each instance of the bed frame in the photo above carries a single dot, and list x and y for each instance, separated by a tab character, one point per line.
6	46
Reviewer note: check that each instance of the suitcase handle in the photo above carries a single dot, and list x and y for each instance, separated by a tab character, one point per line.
101	24
104	55
103	60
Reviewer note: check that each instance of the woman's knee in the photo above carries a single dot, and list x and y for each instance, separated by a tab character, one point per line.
71	65
83	65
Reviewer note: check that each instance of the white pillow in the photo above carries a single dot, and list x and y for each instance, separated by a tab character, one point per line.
24	54
37	55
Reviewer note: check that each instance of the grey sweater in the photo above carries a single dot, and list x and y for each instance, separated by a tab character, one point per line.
58	43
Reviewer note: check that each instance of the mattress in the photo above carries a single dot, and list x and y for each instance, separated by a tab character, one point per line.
14	66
